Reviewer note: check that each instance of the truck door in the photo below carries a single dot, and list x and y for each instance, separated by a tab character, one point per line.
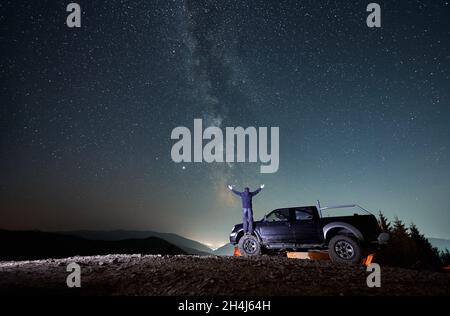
277	227
305	226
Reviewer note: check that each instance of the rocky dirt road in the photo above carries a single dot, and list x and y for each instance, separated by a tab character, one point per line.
192	275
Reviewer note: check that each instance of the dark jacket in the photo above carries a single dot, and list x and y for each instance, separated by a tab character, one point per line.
246	197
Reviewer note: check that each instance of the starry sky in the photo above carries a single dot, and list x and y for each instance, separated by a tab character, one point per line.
87	113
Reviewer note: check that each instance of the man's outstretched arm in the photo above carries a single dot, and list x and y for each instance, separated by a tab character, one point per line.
258	190
234	191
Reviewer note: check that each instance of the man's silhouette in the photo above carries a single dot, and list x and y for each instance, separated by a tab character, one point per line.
247	207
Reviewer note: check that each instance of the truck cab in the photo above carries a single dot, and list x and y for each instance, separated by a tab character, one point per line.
295	224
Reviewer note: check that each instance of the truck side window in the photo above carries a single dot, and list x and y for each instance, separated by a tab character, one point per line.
278	216
303	214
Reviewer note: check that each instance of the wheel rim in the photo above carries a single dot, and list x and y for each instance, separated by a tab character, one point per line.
249	246
344	249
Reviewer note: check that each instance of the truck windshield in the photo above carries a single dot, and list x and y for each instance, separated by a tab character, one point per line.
343	210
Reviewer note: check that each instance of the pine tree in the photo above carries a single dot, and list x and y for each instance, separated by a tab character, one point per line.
408	248
418	237
400	229
445	258
384	223
403	248
427	256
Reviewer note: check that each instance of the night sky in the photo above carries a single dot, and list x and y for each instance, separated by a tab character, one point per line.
87	113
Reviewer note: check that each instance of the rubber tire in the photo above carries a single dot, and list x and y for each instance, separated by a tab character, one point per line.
356	258
245	238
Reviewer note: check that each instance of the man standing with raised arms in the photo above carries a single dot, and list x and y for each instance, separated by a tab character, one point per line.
247	207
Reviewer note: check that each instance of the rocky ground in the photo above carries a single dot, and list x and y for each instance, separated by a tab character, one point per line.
211	275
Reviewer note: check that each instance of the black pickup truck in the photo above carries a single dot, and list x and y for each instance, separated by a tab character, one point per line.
347	231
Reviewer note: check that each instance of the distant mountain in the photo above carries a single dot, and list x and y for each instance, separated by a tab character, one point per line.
440	243
225	250
31	245
188	245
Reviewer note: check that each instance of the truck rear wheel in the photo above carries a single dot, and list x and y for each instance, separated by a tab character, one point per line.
249	246
344	249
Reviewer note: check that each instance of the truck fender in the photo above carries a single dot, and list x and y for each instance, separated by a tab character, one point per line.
343	225
255	233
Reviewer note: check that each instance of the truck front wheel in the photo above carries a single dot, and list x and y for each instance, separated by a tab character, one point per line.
344	249
249	246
